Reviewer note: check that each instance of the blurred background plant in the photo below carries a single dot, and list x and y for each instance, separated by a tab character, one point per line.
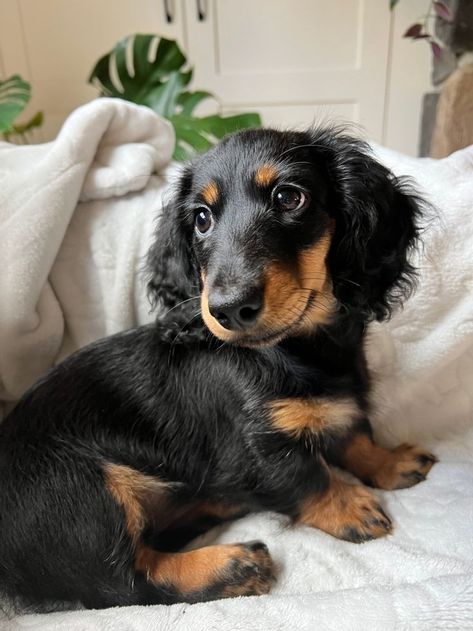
15	93
424	27
153	71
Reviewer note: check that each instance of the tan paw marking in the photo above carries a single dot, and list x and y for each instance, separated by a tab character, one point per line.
386	468
250	573
404	467
347	511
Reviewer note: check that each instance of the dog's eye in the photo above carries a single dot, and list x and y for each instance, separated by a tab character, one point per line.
203	220
289	198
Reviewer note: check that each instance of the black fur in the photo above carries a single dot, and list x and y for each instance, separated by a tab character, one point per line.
170	400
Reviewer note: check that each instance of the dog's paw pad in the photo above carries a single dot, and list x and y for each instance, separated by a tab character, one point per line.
251	571
365	517
404	467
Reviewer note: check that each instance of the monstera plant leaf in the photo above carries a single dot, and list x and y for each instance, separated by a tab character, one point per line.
153	71
15	94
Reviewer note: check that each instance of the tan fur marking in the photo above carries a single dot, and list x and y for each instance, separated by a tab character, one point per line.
186	571
199	569
136	492
314	276
295	416
384	468
346	511
210	193
286	299
312	268
266	174
283	298
220	510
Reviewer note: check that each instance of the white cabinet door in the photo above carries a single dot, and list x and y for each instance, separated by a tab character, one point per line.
294	60
55	44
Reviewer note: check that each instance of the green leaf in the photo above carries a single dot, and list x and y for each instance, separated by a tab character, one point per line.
35	121
186	127
220	126
199	134
153	71
163	98
190	100
152	62
181	153
15	94
392	4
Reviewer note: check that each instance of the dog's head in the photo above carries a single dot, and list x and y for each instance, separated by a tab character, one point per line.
275	233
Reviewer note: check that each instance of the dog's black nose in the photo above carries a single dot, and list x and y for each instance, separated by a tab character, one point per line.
236	313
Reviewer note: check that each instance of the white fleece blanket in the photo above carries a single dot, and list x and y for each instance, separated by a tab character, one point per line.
70	274
72	226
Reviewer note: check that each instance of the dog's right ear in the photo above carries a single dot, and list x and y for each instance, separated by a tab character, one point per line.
173	283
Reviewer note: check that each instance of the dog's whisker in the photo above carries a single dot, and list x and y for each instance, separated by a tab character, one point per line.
181	303
309	145
335	278
184	326
220	346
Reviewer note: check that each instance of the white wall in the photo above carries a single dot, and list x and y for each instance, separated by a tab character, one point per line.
54	44
408	80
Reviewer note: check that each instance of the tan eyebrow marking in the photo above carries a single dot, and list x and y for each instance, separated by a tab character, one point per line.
210	193
265	174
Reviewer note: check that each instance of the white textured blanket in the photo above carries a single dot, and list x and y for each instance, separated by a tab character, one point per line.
69	274
72	226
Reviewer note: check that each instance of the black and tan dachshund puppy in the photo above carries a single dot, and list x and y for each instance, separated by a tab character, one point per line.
276	252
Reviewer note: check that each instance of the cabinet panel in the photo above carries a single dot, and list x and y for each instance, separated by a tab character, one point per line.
286	36
281	51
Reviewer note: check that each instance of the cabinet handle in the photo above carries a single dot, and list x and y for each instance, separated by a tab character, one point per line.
168	11
201	10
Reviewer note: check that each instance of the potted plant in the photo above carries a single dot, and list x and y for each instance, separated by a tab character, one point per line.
156	74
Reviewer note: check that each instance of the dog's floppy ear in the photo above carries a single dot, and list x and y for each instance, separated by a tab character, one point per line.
173	283
376	224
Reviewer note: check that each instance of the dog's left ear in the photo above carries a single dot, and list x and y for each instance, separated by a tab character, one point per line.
376	225
173	283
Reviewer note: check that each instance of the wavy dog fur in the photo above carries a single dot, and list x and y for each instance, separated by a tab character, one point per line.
275	252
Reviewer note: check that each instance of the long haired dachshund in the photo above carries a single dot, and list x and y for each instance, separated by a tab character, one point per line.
277	250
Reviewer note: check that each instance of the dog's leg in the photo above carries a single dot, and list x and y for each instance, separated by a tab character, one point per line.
204	574
382	468
197	520
209	573
346	511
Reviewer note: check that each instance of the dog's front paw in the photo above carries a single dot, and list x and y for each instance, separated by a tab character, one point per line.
250	572
403	467
363	518
347	511
208	573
